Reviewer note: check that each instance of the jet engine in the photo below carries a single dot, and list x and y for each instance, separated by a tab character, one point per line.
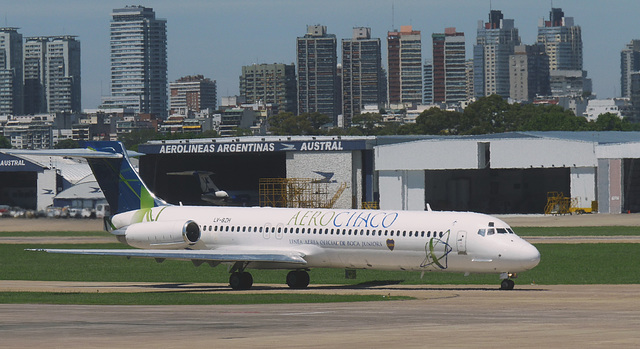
161	234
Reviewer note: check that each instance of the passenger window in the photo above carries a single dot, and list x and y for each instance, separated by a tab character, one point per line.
227	228
404	233
481	232
386	232
441	233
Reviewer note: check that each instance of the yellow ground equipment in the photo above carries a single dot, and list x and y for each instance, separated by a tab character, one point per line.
297	192
557	203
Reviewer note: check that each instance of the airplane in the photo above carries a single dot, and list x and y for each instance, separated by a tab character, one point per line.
210	192
295	239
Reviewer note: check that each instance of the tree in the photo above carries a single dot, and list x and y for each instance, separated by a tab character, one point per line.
303	124
67	144
436	121
611	122
5	143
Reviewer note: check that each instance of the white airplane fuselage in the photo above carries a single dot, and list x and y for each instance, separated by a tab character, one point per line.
330	238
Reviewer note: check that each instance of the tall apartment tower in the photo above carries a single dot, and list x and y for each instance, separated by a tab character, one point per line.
427	74
270	83
11	72
629	63
449	76
138	61
362	76
405	66
495	42
317	72
562	41
529	73
52	75
191	94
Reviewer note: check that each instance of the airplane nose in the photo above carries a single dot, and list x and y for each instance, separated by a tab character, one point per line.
530	256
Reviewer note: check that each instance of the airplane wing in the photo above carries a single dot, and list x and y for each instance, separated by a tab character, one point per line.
195	255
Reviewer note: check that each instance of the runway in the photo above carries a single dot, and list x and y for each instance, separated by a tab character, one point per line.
451	316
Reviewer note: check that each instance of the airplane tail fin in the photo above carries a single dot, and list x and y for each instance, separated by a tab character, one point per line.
120	182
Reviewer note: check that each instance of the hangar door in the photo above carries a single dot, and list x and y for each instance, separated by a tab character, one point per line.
631	185
19	189
237	174
494	191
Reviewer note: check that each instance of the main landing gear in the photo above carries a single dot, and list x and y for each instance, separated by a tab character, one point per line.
242	280
298	279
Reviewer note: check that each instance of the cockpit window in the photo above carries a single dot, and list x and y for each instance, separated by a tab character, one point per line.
510	231
501	230
481	232
491	231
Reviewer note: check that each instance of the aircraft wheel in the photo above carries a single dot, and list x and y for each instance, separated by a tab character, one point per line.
241	280
298	279
507	284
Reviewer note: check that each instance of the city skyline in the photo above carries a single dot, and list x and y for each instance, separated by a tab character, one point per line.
216	39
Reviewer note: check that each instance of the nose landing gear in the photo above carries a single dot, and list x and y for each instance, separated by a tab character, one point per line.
507	281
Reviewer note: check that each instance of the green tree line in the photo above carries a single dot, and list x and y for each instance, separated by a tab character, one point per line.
490	114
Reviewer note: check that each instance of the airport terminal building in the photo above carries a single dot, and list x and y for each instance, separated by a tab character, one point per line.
497	173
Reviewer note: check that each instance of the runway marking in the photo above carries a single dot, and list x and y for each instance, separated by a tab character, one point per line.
307	313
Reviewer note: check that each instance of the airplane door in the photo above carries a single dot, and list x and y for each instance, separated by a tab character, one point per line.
279	229
266	233
461	242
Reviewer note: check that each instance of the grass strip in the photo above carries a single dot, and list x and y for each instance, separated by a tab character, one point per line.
52	233
578	231
612	263
173	298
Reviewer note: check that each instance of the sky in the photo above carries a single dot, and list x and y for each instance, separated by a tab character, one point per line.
215	38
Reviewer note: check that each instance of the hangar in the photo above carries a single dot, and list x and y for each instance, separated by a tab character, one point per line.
32	182
511	172
238	165
497	173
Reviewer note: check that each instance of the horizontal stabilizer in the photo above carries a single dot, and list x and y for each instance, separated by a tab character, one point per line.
205	255
80	153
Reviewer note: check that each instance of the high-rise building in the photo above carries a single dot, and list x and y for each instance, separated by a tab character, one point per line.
11	72
138	61
427	70
317	72
270	84
405	66
362	77
52	75
469	78
495	42
192	94
449	76
529	73
629	63
562	41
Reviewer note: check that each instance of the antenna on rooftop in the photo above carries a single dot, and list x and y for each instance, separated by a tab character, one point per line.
393	25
